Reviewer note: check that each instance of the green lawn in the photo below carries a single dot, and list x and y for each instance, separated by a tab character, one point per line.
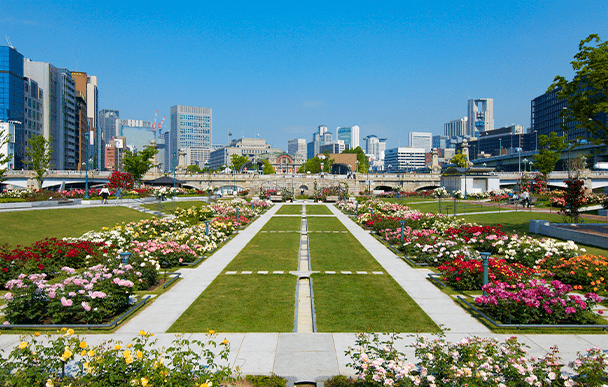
318	210
242	303
290	209
447	207
268	252
340	252
325	224
27	227
170	205
366	303
283	224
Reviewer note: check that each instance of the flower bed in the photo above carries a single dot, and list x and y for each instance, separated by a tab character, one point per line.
36	362
585	272
464	274
537	302
473	361
91	297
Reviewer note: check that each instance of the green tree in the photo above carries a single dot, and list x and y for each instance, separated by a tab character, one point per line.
361	158
268	169
549	150
5	138
38	156
193	168
237	161
587	94
138	163
459	159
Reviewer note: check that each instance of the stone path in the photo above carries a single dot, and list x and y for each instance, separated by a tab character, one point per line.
315	356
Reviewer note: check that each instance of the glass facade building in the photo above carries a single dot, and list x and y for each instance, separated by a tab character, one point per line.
11	97
190	127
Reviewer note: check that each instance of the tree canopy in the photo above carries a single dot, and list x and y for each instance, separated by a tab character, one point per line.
237	161
268	169
5	138
38	156
587	94
549	150
314	165
138	163
361	158
459	159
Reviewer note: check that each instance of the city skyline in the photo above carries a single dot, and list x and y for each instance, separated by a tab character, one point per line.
281	71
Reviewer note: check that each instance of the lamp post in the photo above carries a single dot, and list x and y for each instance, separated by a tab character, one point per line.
466	164
174	167
368	185
530	163
86	169
500	146
525	162
535	140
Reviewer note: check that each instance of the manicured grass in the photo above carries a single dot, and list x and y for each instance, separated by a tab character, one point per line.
319	209
340	252
447	207
170	205
325	224
27	227
290	209
366	303
283	224
242	303
268	252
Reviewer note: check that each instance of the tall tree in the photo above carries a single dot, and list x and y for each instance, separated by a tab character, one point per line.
5	138
138	163
361	158
268	168
459	159
237	161
549	150
38	156
587	94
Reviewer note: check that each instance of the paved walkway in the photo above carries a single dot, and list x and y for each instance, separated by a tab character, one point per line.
315	356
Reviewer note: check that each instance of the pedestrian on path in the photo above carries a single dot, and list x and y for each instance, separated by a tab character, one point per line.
118	195
525	199
104	194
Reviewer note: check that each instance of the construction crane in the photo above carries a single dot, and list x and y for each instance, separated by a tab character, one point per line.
160	125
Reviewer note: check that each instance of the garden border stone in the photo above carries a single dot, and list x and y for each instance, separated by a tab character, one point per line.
543	227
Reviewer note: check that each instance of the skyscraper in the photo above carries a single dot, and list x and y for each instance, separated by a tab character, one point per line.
58	111
456	128
480	116
319	138
297	146
11	97
190	127
422	140
375	147
350	135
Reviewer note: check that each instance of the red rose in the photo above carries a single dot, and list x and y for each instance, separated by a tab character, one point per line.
40	266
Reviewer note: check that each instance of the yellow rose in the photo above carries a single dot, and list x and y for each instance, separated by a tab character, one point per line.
70	331
37	334
23	345
129	345
211	331
83	344
140	354
117	347
225	342
91	353
144	382
67	354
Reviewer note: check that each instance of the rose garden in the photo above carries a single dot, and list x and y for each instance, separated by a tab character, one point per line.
72	287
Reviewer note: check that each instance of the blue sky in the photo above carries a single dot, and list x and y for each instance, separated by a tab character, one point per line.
282	69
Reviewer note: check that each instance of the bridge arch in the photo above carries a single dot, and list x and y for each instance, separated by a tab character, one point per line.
260	165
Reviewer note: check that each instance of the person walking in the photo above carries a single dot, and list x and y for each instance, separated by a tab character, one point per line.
525	198
104	194
118	195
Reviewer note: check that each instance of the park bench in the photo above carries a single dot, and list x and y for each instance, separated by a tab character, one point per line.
332	199
276	198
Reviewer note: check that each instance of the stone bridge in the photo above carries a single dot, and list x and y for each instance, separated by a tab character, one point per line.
242	181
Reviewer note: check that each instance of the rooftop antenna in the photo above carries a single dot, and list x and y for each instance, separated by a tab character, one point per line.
8	41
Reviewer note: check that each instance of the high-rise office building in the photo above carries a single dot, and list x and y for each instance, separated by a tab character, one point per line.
422	140
108	124
32	104
319	138
297	146
480	116
441	142
190	126
58	111
137	133
11	98
404	159
375	147
456	128
350	136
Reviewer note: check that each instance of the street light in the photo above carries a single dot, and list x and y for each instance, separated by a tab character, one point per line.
500	145
536	140
530	162
174	169
525	162
86	169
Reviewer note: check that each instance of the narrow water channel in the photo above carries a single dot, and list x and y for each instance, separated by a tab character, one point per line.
305	307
